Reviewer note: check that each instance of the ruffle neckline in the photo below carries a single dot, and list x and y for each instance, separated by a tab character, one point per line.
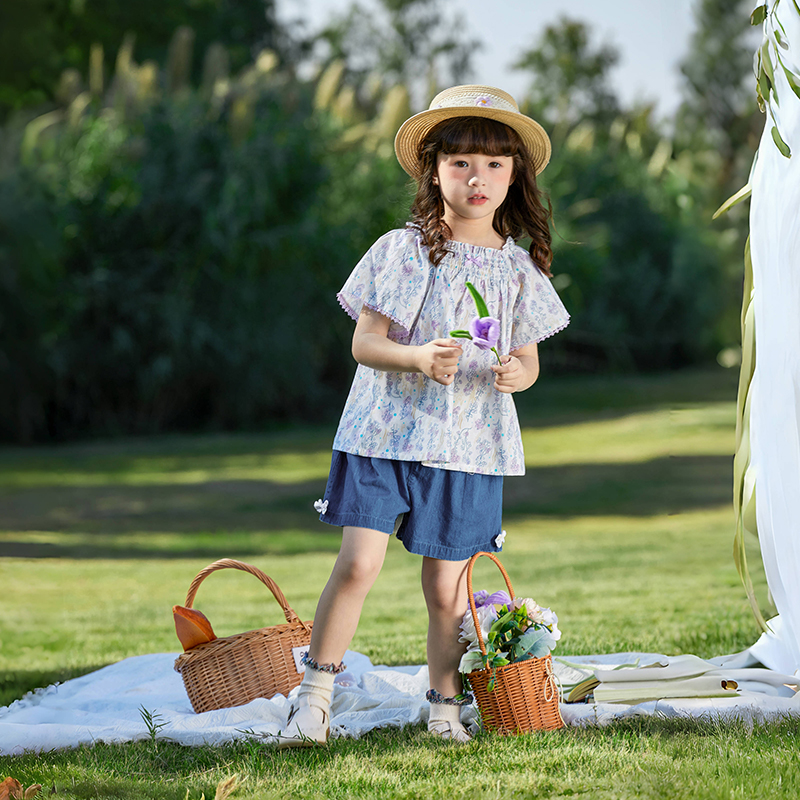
491	262
462	255
476	249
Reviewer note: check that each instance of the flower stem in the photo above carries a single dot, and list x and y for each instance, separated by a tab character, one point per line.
494	350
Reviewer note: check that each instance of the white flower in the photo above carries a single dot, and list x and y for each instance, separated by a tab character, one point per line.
499	539
550	619
486	616
533	609
321	506
470	661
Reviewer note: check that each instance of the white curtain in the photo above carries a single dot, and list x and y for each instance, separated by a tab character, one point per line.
775	408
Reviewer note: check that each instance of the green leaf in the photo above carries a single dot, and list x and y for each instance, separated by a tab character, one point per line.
742	194
767	62
498	623
792	79
764	84
759	15
480	303
460	334
536	642
780	144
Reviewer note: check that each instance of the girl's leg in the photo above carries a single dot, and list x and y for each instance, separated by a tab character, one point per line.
444	584
339	609
357	566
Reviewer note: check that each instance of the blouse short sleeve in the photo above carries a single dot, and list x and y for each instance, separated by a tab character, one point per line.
392	278
538	312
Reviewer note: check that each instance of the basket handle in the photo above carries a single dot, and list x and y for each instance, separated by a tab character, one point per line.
471	598
230	563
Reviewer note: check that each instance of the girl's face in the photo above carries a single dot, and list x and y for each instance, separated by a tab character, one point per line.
473	185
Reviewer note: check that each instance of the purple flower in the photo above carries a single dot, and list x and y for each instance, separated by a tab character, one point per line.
484	101
483	598
485	332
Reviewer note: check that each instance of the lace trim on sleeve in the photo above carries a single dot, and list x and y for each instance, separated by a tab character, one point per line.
547	335
351	312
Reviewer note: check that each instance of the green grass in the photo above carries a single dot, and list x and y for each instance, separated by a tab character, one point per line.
623	524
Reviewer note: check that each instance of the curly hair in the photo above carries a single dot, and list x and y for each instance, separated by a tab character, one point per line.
522	213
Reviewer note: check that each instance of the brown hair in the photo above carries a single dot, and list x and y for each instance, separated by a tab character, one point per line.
522	212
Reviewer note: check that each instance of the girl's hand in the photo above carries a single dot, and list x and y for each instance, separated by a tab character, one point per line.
511	376
439	360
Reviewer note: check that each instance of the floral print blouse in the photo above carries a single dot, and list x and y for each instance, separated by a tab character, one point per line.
468	425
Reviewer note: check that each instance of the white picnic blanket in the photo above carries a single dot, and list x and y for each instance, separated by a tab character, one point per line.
106	705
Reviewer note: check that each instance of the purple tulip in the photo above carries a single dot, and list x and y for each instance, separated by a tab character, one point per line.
485	332
483	598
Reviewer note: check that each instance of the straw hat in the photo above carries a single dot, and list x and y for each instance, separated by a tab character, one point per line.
469	101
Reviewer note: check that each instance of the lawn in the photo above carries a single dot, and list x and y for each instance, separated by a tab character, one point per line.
623	524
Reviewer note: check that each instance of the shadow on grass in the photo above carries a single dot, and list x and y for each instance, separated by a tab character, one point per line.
262	517
109	549
15	683
668	485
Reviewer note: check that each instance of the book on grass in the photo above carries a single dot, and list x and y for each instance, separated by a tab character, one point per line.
684	676
665	678
686	666
643	691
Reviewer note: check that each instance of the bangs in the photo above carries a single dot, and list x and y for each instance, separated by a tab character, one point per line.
474	135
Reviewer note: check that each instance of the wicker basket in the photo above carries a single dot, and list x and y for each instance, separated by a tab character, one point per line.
234	670
525	695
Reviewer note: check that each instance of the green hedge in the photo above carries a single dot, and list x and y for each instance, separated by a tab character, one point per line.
172	264
155	275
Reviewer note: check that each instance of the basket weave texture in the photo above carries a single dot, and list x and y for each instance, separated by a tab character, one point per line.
234	670
525	695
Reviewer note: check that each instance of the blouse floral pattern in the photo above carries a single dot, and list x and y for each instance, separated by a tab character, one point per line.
468	425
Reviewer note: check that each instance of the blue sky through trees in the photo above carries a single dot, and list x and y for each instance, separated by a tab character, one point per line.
652	37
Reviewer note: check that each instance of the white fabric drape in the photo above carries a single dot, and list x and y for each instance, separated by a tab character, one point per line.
775	409
105	706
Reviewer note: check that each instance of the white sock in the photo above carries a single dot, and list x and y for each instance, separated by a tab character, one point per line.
318	683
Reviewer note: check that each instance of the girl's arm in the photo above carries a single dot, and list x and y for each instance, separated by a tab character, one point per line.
519	371
371	347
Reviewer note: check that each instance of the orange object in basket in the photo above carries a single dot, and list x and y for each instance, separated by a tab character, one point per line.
192	627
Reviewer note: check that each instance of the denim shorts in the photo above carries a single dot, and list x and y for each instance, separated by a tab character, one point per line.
446	514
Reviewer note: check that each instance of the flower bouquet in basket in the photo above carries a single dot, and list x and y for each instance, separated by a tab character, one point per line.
508	662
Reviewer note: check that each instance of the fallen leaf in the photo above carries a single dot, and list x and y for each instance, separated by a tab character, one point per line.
11	788
226	787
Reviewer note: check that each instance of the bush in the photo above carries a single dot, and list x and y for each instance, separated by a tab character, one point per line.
641	276
181	280
171	262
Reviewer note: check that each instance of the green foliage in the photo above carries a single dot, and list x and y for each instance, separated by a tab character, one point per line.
38	39
570	78
187	251
409	42
170	252
718	121
639	273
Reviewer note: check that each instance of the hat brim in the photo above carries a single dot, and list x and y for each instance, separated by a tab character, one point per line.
416	128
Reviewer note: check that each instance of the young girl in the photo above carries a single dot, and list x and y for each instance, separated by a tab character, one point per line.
429	428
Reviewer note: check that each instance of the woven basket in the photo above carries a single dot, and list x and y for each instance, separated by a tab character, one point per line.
234	670
525	695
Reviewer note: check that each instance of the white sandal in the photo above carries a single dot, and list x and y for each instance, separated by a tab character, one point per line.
308	725
454	732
